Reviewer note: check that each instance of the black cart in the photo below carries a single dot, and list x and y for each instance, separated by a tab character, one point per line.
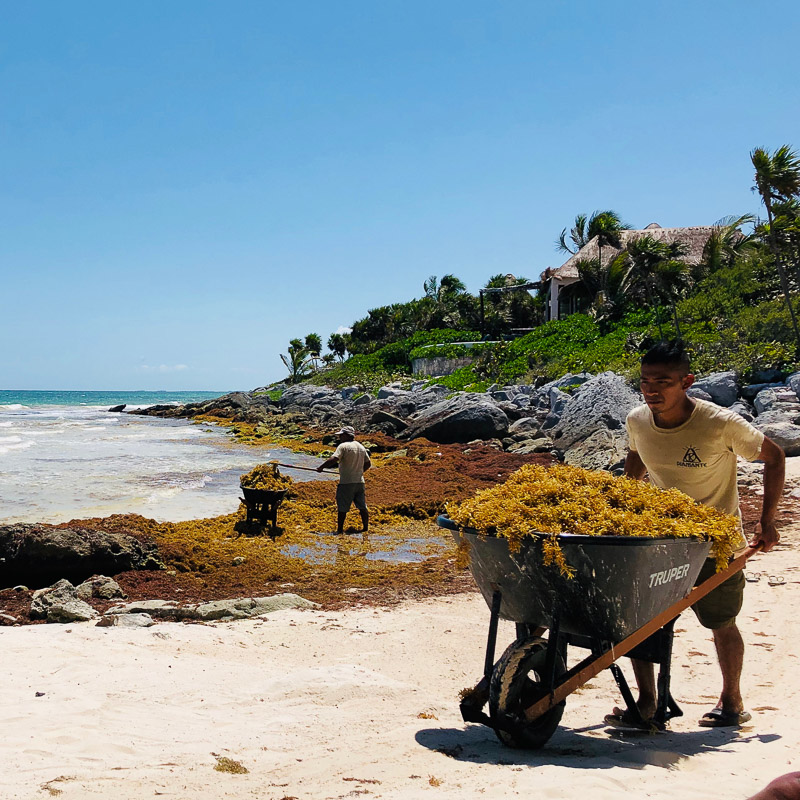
262	507
623	600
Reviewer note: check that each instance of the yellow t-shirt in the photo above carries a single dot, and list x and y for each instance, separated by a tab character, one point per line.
698	457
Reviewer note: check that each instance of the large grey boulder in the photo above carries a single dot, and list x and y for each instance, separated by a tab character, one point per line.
600	404
604	449
524	425
38	555
462	418
785	434
721	386
60	603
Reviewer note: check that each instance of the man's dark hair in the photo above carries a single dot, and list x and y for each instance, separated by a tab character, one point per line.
669	354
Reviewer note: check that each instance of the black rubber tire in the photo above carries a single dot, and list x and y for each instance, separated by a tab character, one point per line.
515	685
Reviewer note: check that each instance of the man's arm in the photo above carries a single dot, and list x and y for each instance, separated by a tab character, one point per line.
330	463
774	467
634	466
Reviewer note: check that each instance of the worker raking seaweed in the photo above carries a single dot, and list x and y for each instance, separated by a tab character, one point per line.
353	461
692	445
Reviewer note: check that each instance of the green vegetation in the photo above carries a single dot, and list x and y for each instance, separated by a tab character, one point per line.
734	305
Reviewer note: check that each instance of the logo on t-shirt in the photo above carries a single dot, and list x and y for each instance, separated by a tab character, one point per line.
691	459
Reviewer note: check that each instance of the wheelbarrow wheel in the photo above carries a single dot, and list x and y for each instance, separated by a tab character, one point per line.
516	684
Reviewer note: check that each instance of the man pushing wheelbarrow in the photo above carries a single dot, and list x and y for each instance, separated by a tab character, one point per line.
607	564
691	444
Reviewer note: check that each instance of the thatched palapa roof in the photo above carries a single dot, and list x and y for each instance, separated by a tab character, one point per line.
693	239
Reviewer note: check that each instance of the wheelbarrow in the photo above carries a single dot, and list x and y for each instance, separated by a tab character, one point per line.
262	506
623	600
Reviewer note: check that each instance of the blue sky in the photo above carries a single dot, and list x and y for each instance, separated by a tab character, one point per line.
185	186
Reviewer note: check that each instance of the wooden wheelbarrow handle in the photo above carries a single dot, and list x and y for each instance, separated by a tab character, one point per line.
591	666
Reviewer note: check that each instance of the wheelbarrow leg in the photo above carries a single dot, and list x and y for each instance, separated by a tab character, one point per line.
473	701
657	649
667	707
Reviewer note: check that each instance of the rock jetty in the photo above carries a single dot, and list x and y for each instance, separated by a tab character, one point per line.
579	417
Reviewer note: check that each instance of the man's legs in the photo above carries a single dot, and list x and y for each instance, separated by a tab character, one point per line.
340	518
730	653
717	612
360	500
645	674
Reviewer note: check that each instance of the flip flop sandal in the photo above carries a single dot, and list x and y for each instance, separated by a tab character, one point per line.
776	580
752	577
718	718
627	722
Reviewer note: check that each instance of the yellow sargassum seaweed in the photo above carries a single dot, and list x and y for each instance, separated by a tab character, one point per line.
266	477
564	499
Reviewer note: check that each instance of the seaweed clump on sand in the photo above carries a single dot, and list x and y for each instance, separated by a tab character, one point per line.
565	499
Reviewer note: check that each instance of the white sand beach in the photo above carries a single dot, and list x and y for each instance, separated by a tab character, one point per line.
364	703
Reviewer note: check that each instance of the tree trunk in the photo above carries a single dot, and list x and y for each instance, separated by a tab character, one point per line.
780	267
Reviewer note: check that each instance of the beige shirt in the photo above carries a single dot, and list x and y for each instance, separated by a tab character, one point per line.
353	457
698	457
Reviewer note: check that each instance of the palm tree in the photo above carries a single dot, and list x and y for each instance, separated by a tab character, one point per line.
297	360
607	286
510	307
657	270
441	298
777	180
723	246
313	344
337	344
577	235
604	224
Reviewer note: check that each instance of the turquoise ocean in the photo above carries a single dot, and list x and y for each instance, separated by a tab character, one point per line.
64	456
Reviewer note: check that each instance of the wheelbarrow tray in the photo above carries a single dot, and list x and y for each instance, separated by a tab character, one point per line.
620	582
262	495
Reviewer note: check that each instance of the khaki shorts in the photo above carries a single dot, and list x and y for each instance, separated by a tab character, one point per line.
718	609
349	493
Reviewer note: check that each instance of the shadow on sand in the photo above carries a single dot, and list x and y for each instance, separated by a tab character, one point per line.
587	748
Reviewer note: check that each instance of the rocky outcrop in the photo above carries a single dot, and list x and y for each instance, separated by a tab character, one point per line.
38	555
237	407
565	413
